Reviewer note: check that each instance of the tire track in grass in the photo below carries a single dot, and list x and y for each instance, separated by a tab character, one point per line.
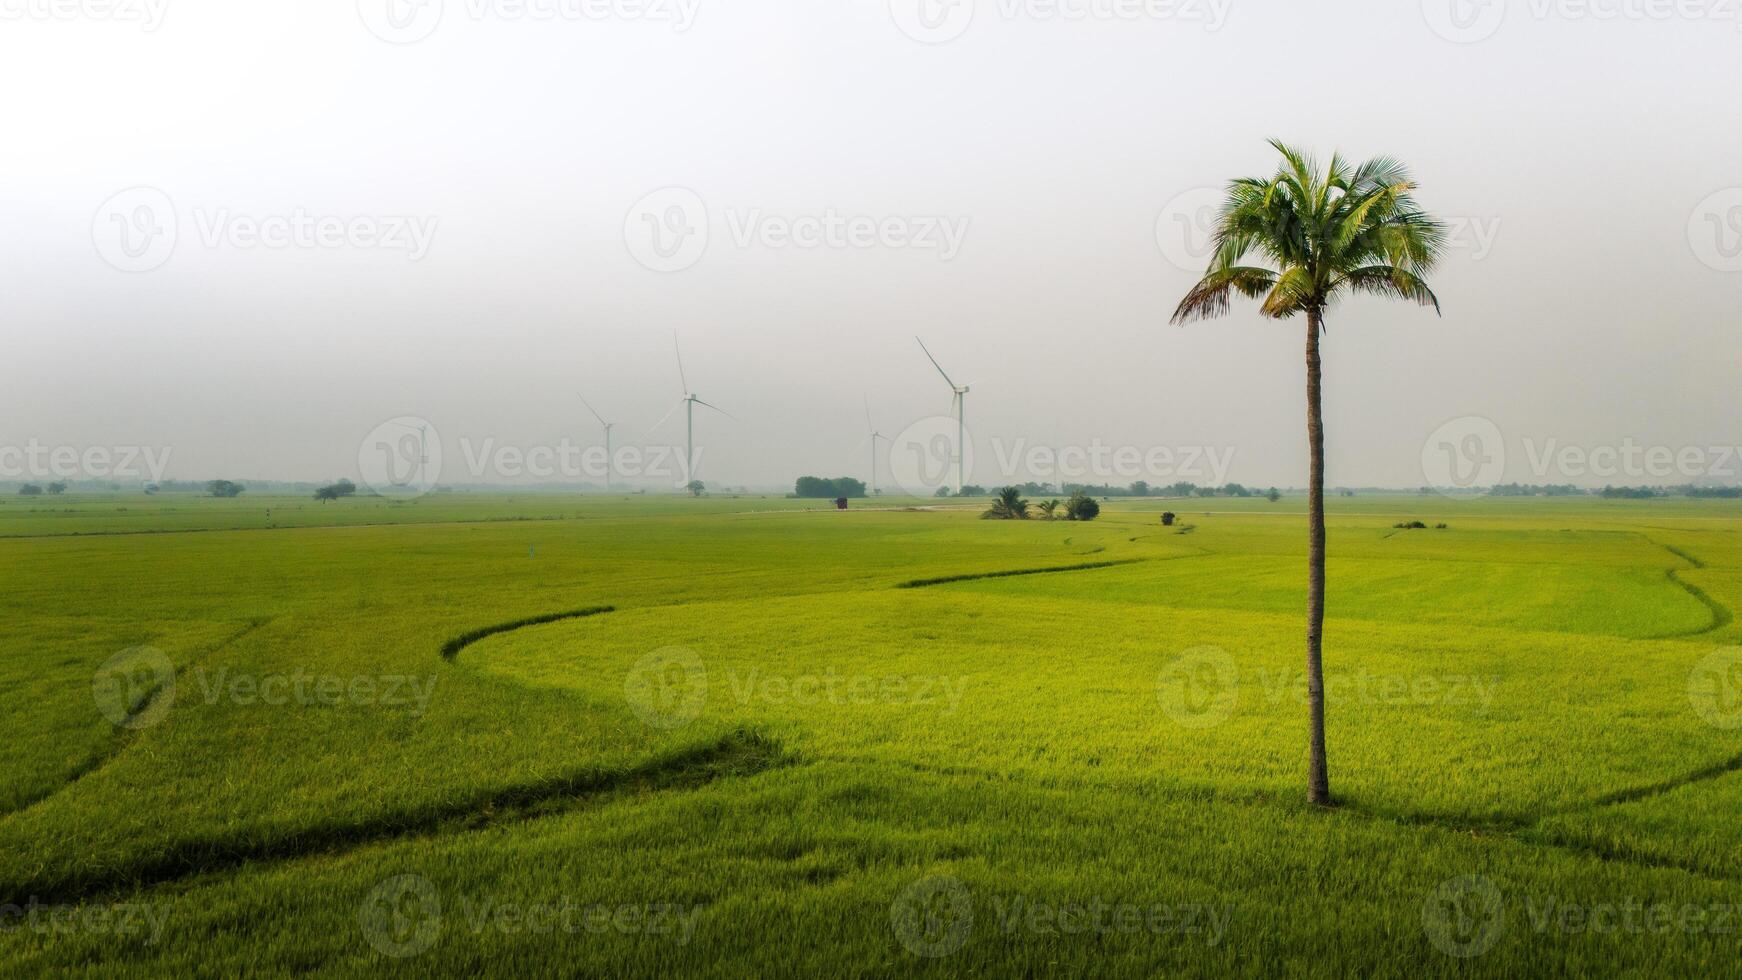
1637	793
1529	830
452	648
920	583
1624	854
124	735
1721	614
1531	835
1521	830
739	753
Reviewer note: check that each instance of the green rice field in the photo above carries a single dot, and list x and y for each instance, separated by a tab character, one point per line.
751	736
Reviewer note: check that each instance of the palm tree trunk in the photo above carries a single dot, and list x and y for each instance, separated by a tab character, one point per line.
1318	779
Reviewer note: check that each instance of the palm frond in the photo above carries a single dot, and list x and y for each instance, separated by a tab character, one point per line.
1389	282
1294	291
1210	298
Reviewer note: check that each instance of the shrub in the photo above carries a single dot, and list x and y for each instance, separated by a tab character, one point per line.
1081	507
1009	506
333	491
1167	517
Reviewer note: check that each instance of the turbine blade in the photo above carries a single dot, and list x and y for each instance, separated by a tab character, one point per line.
717	409
595	411
685	381
868	426
668	414
934	362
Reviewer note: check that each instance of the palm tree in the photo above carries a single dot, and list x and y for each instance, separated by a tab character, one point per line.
1009	505
1049	508
1317	235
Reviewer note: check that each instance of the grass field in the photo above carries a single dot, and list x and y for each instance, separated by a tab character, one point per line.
634	736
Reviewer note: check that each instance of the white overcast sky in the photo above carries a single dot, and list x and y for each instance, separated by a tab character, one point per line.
1589	300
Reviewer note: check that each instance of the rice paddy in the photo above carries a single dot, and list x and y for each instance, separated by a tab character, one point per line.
752	736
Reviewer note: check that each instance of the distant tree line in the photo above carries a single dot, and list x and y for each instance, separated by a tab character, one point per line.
1139	488
819	488
1530	490
1611	492
1726	493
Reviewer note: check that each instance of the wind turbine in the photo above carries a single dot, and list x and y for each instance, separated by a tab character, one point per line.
872	439
689	401
958	404
607	426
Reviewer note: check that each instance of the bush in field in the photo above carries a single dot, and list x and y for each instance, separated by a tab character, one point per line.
1008	506
1082	507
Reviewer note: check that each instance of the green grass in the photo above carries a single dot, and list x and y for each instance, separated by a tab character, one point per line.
727	724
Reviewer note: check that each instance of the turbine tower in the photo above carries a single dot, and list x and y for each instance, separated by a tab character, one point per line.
958	405
872	439
607	426
689	401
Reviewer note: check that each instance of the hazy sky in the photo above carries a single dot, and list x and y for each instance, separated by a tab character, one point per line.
457	197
